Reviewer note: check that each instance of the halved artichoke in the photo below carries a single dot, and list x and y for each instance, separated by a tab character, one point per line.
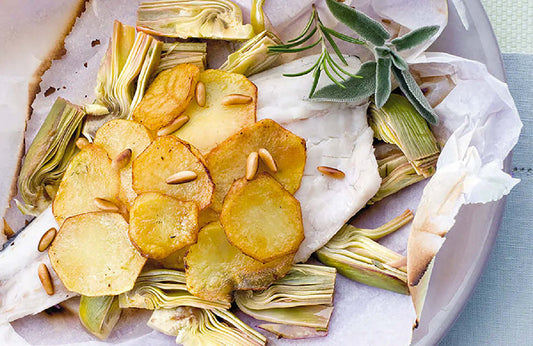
214	19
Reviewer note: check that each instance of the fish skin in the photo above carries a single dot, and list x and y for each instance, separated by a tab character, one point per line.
337	135
21	291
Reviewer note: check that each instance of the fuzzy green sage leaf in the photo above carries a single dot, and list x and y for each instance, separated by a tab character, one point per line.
383	81
415	37
413	93
398	61
363	25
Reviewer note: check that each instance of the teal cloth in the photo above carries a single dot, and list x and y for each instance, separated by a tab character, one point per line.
500	311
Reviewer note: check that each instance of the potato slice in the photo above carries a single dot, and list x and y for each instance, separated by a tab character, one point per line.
89	175
207	216
214	268
93	256
175	260
161	225
213	123
227	162
262	219
165	157
167	96
117	135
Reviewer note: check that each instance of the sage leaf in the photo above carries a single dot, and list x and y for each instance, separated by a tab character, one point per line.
383	81
413	93
355	89
382	52
415	37
398	61
363	25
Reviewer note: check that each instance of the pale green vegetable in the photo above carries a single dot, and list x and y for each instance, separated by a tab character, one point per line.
176	53
356	255
214	19
303	297
49	155
402	176
398	122
164	288
193	326
257	16
254	56
99	315
124	74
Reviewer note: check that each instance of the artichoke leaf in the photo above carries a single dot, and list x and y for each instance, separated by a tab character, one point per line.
213	19
254	57
164	288
49	155
99	315
304	297
193	326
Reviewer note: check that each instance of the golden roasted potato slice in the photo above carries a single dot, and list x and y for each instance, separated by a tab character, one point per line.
118	135
175	260
227	162
167	96
166	157
214	268
211	124
262	219
161	225
93	256
88	176
206	216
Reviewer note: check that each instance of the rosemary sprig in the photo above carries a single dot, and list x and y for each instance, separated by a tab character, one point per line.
388	62
315	29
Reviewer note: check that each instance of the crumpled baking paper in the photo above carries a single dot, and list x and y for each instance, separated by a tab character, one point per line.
363	315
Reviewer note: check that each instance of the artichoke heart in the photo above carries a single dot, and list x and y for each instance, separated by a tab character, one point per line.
356	255
398	122
193	326
164	288
176	53
395	170
49	155
99	315
214	19
254	56
303	297
125	71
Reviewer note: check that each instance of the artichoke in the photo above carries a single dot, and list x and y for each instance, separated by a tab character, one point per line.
356	255
214	19
48	156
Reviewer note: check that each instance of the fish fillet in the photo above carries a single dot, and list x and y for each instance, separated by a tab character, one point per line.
337	135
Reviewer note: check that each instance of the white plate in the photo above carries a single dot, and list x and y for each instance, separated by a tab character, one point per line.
465	253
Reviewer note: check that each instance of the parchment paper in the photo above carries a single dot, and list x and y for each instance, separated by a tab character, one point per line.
363	315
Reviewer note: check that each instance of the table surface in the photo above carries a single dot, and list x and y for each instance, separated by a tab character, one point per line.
500	311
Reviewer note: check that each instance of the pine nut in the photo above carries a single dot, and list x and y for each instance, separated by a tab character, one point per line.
8	231
106	205
236	99
46	280
200	94
251	165
121	160
82	142
47	239
267	158
174	125
181	177
332	172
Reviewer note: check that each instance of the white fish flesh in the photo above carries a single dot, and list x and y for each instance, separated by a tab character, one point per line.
337	135
21	291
